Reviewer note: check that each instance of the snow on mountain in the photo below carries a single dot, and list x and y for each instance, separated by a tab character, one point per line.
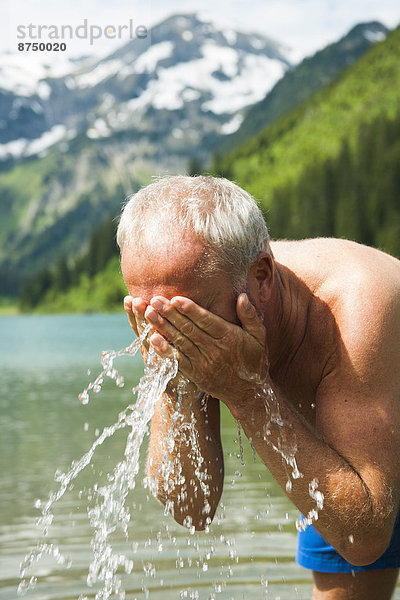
202	75
25	147
374	36
147	62
234	81
23	73
98	74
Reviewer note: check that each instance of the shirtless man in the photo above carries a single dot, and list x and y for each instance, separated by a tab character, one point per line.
315	321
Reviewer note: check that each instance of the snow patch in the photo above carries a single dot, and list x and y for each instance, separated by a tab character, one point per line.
187	36
12	149
232	125
100	129
46	140
177	133
70	83
258	43
374	36
24	147
147	62
103	71
182	21
258	75
187	81
221	58
188	95
43	90
230	36
21	73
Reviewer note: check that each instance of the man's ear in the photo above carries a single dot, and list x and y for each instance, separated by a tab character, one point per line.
262	274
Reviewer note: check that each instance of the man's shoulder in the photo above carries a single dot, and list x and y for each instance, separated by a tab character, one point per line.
363	294
358	279
341	270
361	288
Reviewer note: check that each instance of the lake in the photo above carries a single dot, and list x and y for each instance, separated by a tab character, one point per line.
44	360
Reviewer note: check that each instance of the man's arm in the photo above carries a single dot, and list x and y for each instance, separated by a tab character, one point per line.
185	464
353	454
185	467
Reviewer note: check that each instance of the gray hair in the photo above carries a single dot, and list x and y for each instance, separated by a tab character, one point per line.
217	210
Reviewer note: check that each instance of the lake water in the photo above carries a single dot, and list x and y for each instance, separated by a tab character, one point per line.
44	360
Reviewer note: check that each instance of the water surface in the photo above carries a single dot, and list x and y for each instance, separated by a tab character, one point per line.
44	361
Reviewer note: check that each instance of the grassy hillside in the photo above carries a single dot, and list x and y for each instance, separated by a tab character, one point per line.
314	131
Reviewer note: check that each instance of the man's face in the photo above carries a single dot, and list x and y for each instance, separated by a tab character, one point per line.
178	267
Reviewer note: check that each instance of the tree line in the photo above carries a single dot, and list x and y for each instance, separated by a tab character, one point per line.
65	273
354	196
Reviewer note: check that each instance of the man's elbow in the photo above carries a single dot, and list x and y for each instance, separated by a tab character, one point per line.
189	513
363	550
188	509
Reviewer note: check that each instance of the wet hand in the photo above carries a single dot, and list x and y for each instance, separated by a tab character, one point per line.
221	358
135	309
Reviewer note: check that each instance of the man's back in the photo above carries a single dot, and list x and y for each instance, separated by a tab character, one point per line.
354	322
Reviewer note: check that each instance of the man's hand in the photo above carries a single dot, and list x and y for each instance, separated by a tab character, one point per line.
135	309
222	359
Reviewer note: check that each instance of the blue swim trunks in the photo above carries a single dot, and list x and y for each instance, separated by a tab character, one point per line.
313	552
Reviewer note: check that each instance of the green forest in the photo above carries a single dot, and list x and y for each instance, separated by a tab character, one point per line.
354	196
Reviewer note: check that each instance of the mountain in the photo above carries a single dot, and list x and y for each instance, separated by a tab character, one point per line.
184	70
74	143
282	152
301	82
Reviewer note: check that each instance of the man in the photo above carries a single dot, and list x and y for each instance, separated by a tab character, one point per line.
301	341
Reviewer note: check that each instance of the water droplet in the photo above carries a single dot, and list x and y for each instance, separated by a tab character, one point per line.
83	397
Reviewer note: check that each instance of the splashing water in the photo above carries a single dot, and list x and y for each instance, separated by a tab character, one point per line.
240	445
287	445
107	360
287	448
312	515
170	469
110	510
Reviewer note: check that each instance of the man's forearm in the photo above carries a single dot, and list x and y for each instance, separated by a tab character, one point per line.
185	462
353	518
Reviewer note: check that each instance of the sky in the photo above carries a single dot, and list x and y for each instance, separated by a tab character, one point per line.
304	26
